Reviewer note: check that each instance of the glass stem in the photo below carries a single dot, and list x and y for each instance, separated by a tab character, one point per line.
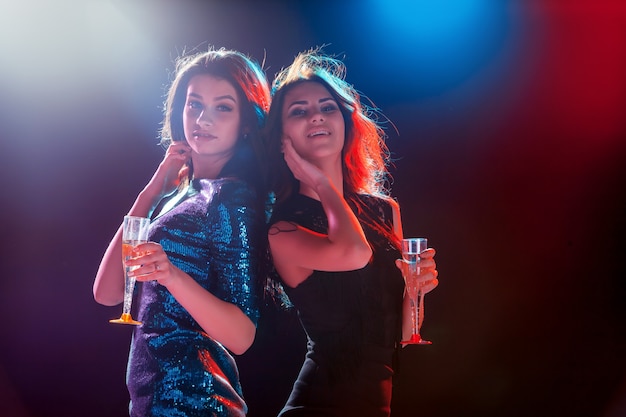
414	316
129	286
419	310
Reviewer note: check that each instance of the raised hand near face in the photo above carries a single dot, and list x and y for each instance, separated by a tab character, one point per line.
165	179
303	170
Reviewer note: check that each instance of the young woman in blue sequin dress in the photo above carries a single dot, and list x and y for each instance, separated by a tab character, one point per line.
334	239
200	272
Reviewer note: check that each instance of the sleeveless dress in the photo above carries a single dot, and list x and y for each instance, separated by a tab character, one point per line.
174	367
352	320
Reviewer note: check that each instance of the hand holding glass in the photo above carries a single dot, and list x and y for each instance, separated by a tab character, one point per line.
134	232
411	248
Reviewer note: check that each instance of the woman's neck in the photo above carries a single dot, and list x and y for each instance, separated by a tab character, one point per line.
205	168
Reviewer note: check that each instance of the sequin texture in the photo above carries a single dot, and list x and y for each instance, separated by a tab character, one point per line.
174	367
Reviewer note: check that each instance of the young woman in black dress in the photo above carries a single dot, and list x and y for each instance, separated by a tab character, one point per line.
334	239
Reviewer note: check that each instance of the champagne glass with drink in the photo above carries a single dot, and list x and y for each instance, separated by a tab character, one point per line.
411	248
134	232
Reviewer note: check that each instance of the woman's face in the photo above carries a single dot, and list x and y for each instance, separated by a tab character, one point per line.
211	119
313	121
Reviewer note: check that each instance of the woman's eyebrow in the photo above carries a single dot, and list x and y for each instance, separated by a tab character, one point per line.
224	97
304	102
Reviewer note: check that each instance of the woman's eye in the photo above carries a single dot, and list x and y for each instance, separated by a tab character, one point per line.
194	104
297	112
329	108
224	108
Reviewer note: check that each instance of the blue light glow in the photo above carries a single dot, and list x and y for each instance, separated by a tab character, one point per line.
437	44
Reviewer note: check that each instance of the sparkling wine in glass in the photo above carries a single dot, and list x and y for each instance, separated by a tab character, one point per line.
134	232
411	248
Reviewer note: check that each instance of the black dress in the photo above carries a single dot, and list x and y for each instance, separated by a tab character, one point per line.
352	319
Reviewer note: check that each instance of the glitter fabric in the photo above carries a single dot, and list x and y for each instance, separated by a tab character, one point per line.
352	320
174	367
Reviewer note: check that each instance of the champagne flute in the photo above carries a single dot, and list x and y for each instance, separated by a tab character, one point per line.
134	232
411	248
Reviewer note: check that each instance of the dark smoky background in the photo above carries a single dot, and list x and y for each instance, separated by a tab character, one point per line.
507	129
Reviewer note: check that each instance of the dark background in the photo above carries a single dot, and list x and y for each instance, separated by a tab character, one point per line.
510	157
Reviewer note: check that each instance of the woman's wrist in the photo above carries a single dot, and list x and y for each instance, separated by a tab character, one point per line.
323	186
173	279
145	203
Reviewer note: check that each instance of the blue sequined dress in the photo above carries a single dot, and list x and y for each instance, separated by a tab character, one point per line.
352	319
174	367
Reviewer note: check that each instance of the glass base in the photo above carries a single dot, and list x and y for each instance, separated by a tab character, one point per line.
125	318
416	339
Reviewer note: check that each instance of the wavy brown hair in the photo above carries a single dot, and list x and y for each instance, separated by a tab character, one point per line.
250	82
249	162
365	156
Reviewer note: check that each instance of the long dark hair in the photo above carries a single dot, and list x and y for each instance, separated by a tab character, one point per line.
250	82
365	155
249	162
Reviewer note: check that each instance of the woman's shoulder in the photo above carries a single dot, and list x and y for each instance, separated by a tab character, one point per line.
377	206
296	202
226	187
297	208
379	200
229	193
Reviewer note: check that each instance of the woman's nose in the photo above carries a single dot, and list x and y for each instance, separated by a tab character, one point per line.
204	119
317	117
